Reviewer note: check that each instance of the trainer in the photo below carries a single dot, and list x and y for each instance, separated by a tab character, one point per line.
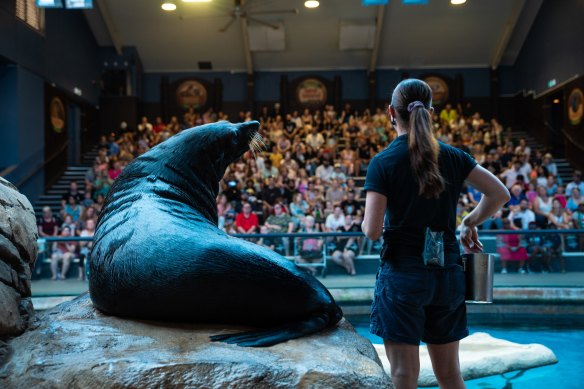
413	188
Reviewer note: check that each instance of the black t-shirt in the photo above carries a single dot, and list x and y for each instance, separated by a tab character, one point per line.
408	214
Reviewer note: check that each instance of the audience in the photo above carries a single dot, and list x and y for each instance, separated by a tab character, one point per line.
306	175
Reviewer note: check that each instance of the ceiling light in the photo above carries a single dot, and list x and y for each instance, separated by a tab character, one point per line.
168	6
457	2
311	4
556	101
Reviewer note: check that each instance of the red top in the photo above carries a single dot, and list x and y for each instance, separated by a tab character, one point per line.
246	222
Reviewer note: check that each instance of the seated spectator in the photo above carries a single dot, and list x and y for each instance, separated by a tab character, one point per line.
324	171
144	127
517	195
69	223
346	248
537	248
348	158
339	175
509	175
577	182
62	252
290	164
246	222
298	207
575	199
276	157
266	241
561	197
280	222
75	192
113	149
314	139
334	220
269	171
531	192
559	217
551	186
47	224
335	193
511	248
85	247
284	145
99	203
115	170
310	250
223	206
158	126
72	208
88	213
350	206
87	199
520	218
102	183
364	154
549	164
542	206
351	187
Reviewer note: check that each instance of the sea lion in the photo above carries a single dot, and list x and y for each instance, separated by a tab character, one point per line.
158	253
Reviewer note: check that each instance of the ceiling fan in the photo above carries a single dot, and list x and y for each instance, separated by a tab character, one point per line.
244	10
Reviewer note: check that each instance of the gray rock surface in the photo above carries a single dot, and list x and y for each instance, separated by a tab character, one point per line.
18	252
75	346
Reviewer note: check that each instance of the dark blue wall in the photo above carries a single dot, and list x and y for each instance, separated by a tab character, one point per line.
355	82
9	115
553	48
66	54
21	93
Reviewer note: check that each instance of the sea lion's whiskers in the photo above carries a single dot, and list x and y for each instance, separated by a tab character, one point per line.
256	144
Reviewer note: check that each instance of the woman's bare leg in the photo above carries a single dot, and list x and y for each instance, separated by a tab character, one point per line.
405	364
446	365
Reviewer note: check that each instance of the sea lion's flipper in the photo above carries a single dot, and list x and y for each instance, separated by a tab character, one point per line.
270	337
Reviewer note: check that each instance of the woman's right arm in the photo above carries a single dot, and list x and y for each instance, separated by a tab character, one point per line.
495	195
372	225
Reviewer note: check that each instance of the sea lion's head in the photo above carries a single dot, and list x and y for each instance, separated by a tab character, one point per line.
227	142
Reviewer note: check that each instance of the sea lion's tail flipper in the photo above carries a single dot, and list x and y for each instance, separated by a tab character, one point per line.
270	337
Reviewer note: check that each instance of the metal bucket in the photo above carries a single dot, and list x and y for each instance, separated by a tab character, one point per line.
479	269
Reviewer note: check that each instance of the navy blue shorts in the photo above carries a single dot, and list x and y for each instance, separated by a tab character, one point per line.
414	302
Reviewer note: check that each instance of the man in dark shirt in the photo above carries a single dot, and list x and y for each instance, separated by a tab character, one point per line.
350	206
271	192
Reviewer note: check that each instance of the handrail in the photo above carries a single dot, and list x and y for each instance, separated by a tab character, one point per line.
574	142
42	165
342	234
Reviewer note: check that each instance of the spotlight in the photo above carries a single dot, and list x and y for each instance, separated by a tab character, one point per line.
457	2
168	6
311	4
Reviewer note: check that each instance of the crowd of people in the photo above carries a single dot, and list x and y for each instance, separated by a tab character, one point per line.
308	180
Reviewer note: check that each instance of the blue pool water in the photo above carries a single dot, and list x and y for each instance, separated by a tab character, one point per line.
566	343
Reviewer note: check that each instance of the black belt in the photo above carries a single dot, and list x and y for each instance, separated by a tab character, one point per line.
390	254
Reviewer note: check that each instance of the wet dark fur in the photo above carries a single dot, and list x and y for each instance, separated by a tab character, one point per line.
158	253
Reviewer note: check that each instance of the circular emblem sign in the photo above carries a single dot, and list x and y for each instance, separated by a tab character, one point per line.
439	90
575	106
311	92
57	111
191	94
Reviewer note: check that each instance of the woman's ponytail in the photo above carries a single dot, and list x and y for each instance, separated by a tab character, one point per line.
424	153
412	100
